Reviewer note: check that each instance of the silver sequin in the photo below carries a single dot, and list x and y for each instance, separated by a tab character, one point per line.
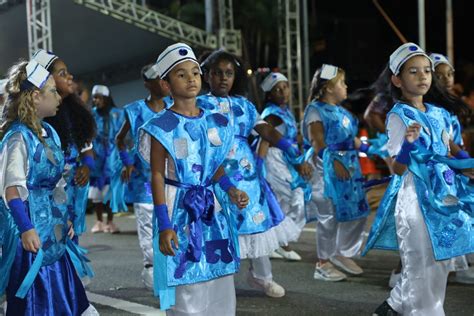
213	135
181	148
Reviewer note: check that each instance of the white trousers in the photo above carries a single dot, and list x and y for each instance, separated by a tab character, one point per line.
261	268
144	215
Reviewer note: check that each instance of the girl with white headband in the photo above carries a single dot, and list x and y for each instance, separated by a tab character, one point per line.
105	177
285	174
195	241
135	172
338	198
426	212
35	226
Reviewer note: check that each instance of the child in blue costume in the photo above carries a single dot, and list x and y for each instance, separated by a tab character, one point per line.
137	173
262	224
108	165
338	196
198	250
38	274
284	173
426	211
76	129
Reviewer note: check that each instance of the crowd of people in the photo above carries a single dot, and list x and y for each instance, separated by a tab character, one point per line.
212	181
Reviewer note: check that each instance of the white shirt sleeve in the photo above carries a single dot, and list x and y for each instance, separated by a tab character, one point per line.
14	166
396	131
312	116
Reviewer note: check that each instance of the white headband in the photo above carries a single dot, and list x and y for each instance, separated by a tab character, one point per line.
44	58
36	74
174	55
402	54
3	83
328	72
151	73
439	59
99	89
271	80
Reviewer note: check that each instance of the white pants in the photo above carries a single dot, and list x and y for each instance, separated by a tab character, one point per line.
214	297
422	287
333	238
97	195
144	215
261	268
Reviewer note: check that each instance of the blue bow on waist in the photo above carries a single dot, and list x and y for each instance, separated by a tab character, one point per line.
198	202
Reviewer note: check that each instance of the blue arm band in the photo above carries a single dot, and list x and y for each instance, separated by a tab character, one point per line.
286	146
321	152
462	155
161	213
364	147
126	159
225	183
89	162
20	216
403	156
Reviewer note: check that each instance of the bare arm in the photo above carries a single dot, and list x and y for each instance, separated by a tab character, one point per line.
375	121
268	133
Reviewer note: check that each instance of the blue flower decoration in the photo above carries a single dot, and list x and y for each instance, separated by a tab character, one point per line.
409	113
449	176
413	48
183	52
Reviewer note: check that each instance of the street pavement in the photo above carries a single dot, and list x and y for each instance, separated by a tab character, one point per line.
117	288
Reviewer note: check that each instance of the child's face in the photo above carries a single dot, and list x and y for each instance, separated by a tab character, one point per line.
185	80
221	78
48	100
445	74
98	100
280	93
415	77
63	78
339	89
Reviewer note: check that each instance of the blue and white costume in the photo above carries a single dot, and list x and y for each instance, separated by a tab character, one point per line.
35	168
289	187
108	165
339	206
426	213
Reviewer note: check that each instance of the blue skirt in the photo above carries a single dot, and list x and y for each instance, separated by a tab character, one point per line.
57	289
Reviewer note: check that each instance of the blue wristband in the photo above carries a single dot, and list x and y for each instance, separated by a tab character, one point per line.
126	159
286	146
225	183
364	147
462	155
88	161
403	156
161	213
19	214
321	152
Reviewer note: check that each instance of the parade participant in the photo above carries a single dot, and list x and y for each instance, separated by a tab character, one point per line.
195	241
425	212
76	129
262	225
284	173
108	165
137	173
35	268
338	196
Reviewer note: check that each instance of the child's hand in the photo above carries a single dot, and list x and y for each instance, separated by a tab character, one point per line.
340	170
70	232
238	197
468	173
413	132
127	173
305	170
82	176
166	237
30	241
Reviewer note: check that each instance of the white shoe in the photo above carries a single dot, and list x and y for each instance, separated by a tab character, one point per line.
275	255
288	255
464	276
346	264
90	311
85	281
271	288
327	272
147	277
394	277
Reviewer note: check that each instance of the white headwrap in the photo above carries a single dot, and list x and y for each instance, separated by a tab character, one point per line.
403	53
174	55
100	89
271	80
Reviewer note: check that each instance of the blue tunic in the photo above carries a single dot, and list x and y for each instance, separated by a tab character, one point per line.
457	130
446	198
108	166
208	247
241	167
56	288
340	128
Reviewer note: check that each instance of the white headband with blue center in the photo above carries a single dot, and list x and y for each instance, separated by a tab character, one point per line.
44	58
328	72
271	80
439	59
100	89
36	75
402	54
174	55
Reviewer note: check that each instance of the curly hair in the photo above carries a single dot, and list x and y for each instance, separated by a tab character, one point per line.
19	104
